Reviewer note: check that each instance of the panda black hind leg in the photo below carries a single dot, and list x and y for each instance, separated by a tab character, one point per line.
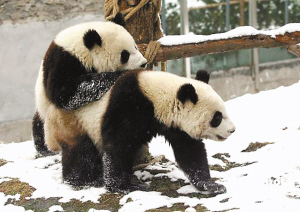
191	157
82	162
39	135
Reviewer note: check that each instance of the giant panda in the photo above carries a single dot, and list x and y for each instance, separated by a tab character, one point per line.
101	139
80	65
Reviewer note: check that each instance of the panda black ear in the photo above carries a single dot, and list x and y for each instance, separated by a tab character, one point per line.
202	76
187	92
119	19
90	38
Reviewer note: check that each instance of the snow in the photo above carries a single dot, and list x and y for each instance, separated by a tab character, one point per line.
191	3
94	210
195	3
23	165
271	183
157	201
235	33
55	208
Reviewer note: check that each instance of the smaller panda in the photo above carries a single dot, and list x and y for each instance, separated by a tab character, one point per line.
80	66
104	137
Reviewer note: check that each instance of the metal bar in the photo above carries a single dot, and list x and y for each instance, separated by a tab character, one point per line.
184	29
242	12
227	16
254	63
286	11
163	17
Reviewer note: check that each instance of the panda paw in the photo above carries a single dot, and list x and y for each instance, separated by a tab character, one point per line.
210	188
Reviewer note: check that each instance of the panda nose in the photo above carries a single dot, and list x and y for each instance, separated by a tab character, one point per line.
231	131
144	65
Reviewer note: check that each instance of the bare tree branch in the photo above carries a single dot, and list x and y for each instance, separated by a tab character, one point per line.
170	52
294	49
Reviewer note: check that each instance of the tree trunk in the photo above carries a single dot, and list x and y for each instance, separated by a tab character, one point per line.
144	25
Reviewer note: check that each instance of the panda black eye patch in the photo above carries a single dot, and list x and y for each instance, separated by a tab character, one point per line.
217	119
124	56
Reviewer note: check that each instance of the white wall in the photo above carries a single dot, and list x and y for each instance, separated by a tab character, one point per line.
271	75
22	48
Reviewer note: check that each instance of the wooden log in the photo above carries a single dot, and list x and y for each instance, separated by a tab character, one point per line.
224	45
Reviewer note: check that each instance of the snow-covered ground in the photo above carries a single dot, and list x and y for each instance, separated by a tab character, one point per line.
271	183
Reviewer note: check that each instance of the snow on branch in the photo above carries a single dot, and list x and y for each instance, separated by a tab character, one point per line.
246	37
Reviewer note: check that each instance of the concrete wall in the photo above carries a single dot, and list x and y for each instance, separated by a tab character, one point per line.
26	29
237	82
22	49
24	11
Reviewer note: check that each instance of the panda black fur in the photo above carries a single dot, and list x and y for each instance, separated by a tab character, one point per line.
140	105
81	65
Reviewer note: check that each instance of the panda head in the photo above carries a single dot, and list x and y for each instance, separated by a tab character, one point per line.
104	46
203	113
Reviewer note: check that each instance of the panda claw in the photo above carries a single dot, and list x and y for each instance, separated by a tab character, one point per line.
210	188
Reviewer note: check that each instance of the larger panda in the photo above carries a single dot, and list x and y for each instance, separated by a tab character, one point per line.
80	65
103	137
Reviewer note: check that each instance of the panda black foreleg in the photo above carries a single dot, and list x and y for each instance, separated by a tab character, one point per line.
82	162
191	157
39	135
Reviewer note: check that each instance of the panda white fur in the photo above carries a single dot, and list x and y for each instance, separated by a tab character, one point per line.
104	136
81	65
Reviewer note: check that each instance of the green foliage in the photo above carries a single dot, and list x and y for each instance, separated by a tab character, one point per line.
270	15
172	18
